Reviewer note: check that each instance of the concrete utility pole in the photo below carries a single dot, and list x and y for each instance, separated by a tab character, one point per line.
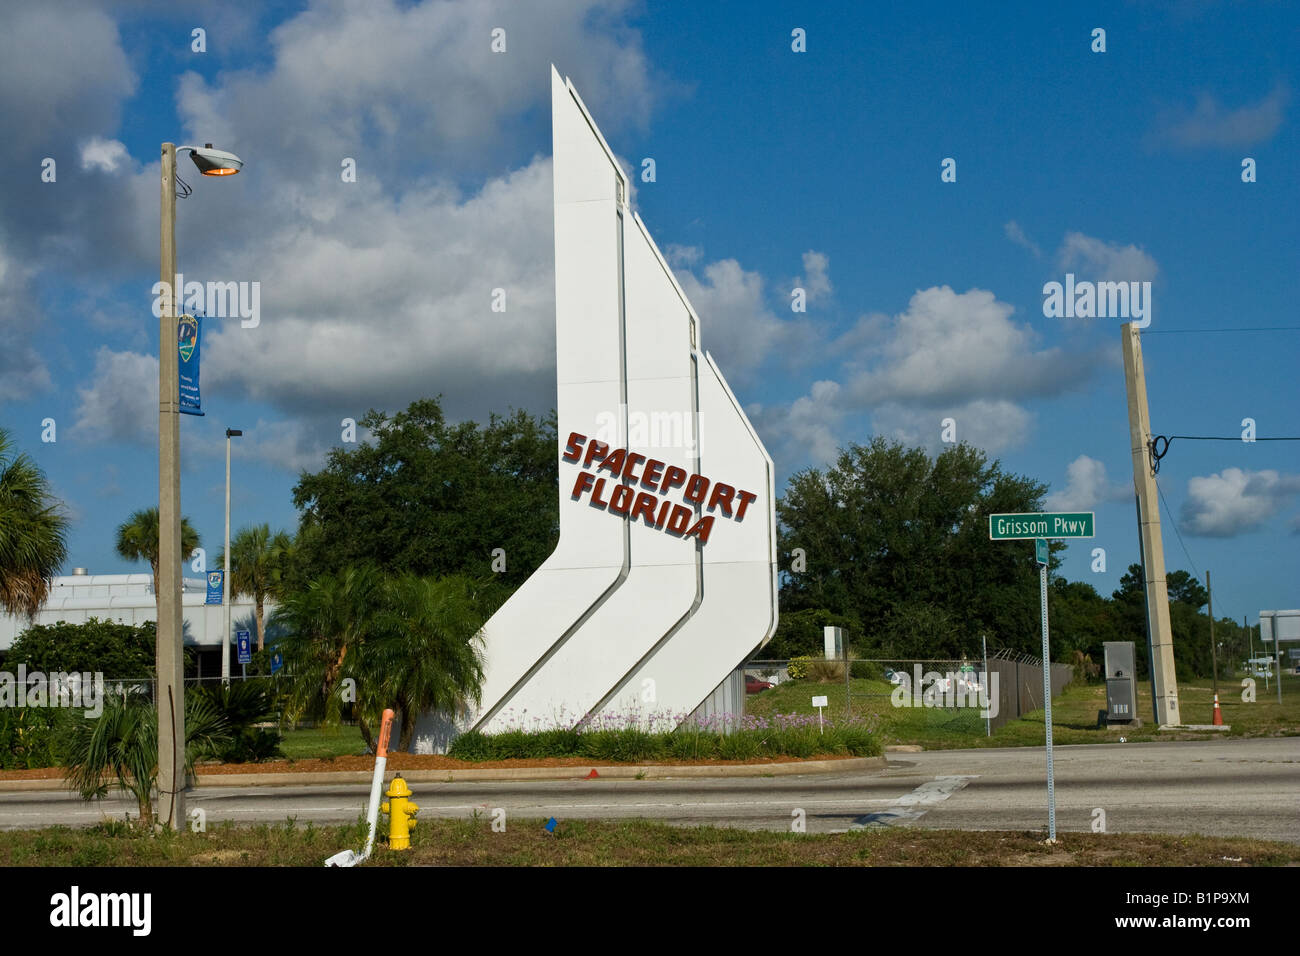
171	661
1164	681
1214	653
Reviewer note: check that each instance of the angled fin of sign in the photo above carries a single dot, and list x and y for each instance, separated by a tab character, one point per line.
664	577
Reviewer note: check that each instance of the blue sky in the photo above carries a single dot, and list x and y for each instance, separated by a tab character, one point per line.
774	169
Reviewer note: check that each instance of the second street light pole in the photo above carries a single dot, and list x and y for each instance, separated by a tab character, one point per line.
225	579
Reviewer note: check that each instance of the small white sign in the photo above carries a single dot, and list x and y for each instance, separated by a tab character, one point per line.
820	702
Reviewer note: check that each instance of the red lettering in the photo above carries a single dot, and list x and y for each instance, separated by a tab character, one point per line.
673	477
645	505
614	463
663	513
620	504
650	477
679	519
633	459
745	498
597	449
696	488
702	528
595	494
722	495
581	485
573	450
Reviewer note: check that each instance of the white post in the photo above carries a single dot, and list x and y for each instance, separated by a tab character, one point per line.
225	582
1047	708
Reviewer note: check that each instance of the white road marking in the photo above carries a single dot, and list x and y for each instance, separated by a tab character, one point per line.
911	807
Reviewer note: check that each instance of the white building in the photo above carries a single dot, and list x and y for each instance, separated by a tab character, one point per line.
129	599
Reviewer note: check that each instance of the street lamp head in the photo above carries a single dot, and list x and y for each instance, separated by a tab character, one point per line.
214	162
233	433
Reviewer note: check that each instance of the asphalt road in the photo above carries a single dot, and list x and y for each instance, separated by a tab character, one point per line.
1222	788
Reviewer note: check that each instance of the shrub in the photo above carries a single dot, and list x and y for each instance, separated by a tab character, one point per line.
798	667
35	736
471	745
242	705
824	671
866	670
740	745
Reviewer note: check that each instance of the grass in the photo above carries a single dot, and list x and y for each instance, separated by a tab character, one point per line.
323	742
471	842
1074	714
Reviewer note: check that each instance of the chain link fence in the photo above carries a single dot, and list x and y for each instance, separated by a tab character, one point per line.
965	695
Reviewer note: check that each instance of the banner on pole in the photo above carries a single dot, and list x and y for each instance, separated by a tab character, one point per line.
187	342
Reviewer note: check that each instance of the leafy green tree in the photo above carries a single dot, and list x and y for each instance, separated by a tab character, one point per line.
137	539
258	561
113	649
887	531
33	532
433	498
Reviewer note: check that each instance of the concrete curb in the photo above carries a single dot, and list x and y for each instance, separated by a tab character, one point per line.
501	775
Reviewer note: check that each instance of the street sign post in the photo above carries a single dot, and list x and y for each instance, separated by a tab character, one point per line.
1040	527
1056	524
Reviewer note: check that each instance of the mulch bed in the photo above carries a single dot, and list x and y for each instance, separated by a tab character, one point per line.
404	761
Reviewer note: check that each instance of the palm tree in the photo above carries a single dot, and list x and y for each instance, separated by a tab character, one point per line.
258	560
402	641
33	532
427	655
123	743
327	623
137	539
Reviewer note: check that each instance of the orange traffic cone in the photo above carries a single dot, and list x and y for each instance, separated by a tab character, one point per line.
1218	714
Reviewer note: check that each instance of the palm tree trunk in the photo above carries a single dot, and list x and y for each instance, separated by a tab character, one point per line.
261	627
153	567
408	729
364	726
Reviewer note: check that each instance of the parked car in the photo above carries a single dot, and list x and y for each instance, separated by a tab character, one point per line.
754	685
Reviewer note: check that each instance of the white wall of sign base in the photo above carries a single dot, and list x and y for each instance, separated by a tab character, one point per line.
664	577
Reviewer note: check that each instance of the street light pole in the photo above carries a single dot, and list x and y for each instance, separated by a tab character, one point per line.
170	698
225	581
169	635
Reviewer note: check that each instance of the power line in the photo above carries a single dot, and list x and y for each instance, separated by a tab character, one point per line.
1157	451
1169	511
1257	328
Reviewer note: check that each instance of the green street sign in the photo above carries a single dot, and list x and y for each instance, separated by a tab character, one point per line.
1041	551
1062	524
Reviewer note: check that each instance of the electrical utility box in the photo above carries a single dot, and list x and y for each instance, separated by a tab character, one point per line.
833	642
1121	682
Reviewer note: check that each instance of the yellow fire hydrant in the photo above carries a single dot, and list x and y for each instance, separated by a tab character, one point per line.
401	816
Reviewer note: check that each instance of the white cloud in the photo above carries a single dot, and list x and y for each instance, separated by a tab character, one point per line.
949	348
1086	486
1017	235
1211	124
988	424
103	154
816	280
120	404
23	372
1234	501
1106	261
736	325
